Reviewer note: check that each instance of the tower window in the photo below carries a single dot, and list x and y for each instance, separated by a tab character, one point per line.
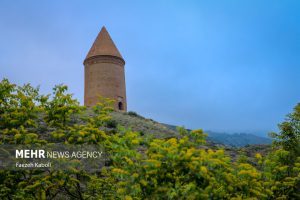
120	106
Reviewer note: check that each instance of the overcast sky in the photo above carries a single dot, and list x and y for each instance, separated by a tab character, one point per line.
229	66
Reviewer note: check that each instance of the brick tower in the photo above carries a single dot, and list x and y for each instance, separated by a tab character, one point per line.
104	73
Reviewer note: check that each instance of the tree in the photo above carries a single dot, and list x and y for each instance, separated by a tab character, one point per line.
289	136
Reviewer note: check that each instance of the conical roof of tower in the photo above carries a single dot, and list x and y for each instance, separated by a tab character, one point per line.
103	45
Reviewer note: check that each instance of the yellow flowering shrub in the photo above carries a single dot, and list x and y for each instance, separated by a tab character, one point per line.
138	167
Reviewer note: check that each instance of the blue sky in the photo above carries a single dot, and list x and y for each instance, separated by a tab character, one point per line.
228	66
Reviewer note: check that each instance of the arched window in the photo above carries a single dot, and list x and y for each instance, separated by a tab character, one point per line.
120	106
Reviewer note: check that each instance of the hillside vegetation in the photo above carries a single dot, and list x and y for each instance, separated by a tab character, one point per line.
141	165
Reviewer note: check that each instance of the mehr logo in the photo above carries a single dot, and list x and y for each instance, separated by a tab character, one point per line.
41	153
29	153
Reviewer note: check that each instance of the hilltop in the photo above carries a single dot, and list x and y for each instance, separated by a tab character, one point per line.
140	152
160	130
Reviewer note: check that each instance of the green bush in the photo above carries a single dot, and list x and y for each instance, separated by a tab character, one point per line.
139	166
132	114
